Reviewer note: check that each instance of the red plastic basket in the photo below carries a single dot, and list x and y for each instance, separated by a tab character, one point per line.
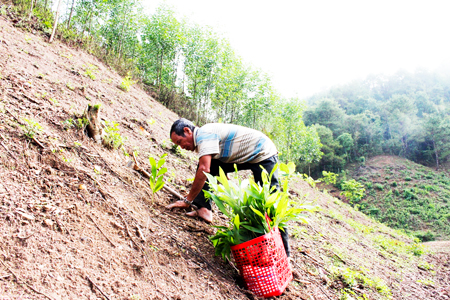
263	264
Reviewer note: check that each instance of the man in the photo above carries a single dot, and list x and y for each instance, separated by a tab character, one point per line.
223	146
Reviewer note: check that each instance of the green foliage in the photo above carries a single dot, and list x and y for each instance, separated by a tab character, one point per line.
295	141
354	278
70	86
311	181
81	123
395	246
32	128
425	236
246	203
379	186
353	190
112	138
157	174
329	177
90	71
126	83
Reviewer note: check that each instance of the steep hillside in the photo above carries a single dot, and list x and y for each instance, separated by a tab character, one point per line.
77	223
406	195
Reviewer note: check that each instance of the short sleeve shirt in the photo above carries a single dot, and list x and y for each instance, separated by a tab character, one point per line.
233	143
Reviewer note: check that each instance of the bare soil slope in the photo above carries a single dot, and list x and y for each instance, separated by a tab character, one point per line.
76	223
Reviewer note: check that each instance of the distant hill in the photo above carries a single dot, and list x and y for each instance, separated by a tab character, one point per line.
406	195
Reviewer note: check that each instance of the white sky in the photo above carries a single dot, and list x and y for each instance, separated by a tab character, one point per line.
307	46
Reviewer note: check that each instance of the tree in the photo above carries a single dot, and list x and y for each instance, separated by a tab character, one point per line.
295	141
437	128
162	41
346	142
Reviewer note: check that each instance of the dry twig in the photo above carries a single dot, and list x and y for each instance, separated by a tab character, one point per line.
98	227
97	287
19	280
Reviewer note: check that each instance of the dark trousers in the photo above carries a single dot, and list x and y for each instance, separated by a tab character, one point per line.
268	165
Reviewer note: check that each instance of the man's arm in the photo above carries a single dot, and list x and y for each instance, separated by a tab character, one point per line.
204	165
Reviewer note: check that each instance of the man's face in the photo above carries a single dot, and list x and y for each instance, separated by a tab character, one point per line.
186	142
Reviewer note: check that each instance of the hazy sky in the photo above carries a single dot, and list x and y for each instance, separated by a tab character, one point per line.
309	45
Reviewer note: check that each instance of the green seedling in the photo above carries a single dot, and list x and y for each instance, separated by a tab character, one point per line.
329	177
70	86
31	129
69	56
126	83
112	138
81	123
90	71
246	204
157	174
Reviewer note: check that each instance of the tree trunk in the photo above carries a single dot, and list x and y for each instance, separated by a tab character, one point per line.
94	129
436	154
31	9
71	12
56	23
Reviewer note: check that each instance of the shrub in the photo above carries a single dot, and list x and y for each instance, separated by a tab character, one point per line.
394	184
409	194
429	176
329	177
112	138
353	190
126	83
425	236
379	186
31	129
408	178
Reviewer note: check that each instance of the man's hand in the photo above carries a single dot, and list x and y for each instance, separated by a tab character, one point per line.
204	165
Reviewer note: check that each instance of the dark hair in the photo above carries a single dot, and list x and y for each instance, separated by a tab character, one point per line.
179	125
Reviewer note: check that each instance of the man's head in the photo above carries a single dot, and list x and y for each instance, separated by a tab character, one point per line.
182	134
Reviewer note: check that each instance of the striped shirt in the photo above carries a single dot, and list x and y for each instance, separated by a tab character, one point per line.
233	143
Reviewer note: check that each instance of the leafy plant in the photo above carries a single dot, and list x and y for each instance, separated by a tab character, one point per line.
353	190
70	86
90	71
157	174
32	128
310	180
126	83
246	204
329	177
81	123
354	278
112	138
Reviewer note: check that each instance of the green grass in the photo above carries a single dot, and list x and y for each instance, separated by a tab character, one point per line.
413	200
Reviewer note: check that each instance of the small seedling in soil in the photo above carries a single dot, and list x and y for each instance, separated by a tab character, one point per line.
157	174
31	129
70	86
127	82
112	138
90	71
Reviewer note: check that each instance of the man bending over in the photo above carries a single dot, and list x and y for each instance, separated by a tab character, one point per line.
223	146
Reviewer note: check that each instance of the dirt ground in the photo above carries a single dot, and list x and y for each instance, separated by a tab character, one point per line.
77	223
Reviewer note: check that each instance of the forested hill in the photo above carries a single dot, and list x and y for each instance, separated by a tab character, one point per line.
406	114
